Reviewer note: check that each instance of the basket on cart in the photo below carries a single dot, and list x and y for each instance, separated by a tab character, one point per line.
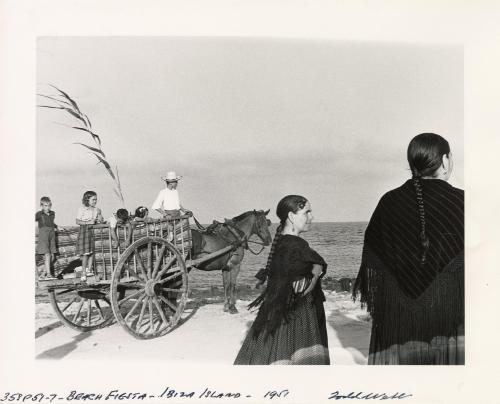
143	286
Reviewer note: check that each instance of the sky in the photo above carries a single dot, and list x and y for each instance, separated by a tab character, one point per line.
245	121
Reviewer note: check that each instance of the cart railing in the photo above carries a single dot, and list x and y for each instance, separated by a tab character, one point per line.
106	255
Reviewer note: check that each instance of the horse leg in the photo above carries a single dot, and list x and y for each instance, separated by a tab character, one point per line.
235	270
225	281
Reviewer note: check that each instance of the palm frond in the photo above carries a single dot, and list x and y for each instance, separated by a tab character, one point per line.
88	120
105	164
118	178
75	105
54	99
49	106
94	149
119	185
65	102
96	138
118	194
76	115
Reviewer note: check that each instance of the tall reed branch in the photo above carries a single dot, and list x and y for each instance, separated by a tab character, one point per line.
64	102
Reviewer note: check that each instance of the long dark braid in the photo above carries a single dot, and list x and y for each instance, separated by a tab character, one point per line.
424	240
277	236
264	272
425	156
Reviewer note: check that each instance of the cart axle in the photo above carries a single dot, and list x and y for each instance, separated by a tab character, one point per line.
150	288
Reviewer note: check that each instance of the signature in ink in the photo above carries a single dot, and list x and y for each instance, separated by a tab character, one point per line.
360	395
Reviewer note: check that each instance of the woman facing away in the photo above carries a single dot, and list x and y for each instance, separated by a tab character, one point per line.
290	327
412	271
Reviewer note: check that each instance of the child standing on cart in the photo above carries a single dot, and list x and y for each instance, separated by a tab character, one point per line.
46	235
87	215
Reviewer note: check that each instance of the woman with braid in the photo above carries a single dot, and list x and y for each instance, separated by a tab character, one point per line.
412	271
290	327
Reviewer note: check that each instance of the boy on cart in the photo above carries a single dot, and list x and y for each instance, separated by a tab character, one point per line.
167	203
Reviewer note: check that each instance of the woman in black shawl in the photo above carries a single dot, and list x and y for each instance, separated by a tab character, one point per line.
412	271
290	327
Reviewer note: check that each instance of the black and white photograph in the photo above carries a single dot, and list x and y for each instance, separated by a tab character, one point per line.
217	199
282	151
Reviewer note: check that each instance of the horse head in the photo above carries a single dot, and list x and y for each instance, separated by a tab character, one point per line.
254	222
261	226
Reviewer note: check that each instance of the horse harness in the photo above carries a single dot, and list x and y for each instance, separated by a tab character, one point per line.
240	239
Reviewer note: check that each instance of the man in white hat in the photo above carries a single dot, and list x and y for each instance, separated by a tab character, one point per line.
167	202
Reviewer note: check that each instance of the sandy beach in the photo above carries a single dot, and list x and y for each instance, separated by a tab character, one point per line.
207	335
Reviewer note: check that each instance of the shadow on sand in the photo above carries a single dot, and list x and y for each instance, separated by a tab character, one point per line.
45	329
354	335
61	351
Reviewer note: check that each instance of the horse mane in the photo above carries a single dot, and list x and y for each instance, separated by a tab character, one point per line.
244	215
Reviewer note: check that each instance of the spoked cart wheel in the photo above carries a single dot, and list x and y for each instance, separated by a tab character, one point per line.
83	309
149	288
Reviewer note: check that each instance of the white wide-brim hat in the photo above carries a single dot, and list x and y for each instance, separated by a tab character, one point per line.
171	177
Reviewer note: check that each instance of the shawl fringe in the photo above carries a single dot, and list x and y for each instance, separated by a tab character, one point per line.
274	308
398	318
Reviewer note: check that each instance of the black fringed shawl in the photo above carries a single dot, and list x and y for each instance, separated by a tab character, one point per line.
292	260
407	300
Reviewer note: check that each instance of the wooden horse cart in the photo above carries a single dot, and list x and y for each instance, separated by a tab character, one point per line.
143	286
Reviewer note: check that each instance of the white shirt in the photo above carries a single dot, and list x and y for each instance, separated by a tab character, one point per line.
167	199
113	221
87	213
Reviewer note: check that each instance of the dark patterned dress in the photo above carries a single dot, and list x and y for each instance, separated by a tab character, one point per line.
417	310
290	328
85	243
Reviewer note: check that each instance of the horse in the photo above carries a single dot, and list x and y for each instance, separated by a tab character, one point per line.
234	232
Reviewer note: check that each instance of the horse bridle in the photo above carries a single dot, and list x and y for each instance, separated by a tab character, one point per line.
235	232
255	242
245	239
261	243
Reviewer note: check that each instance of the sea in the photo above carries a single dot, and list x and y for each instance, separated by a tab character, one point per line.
339	243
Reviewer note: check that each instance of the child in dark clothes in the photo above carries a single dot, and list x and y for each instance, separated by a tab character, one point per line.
46	235
121	217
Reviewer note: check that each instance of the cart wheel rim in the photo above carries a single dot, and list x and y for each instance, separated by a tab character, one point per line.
152	276
82	310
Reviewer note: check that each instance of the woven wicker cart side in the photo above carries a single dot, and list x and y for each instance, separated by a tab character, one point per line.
106	256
